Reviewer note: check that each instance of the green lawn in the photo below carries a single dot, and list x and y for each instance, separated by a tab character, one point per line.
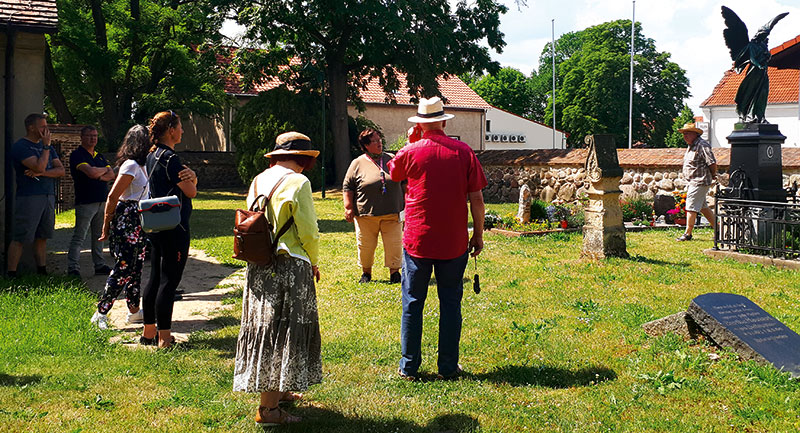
552	343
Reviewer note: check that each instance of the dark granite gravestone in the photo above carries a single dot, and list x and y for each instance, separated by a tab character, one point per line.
756	151
735	322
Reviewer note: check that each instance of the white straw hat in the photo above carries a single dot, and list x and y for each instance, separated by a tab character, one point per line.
429	111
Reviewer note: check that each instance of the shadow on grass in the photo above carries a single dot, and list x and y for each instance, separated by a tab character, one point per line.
335	226
317	419
551	377
211	223
222	195
643	259
9	380
225	346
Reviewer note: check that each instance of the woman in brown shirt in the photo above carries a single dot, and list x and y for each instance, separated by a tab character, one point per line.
374	202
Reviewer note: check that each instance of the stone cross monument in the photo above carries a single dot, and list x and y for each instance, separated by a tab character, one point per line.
604	231
524	210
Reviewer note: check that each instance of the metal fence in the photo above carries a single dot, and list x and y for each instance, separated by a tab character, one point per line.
758	227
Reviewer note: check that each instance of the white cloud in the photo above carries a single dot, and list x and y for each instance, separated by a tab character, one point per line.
690	31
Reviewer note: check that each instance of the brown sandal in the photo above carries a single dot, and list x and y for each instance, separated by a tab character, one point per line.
267	417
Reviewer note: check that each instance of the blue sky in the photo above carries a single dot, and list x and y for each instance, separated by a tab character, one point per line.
690	30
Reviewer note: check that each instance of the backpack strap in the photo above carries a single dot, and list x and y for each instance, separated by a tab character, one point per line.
288	222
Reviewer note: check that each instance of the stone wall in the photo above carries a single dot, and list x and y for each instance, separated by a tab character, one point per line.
559	174
214	169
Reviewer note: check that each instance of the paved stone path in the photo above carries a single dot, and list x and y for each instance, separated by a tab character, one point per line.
205	282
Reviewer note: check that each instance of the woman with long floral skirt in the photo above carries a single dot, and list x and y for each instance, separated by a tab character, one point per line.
122	226
278	350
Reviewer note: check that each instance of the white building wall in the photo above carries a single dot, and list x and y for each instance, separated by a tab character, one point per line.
722	119
506	128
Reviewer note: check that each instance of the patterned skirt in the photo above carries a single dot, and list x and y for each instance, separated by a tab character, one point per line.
279	342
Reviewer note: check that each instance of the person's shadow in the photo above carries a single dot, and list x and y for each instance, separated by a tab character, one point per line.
547	376
317	419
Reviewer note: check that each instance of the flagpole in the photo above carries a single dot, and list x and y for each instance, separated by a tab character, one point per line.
553	54
630	103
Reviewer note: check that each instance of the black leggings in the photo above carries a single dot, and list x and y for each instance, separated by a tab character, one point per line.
170	250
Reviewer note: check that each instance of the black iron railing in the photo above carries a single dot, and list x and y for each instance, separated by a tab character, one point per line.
758	227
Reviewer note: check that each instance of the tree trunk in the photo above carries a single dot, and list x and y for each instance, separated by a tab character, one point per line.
109	119
337	84
53	89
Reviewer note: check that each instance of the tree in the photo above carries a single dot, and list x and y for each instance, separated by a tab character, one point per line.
354	40
592	87
508	89
675	138
114	62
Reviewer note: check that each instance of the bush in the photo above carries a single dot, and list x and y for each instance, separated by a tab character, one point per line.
538	210
635	206
271	113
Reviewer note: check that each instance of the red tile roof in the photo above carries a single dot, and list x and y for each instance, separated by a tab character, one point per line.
628	158
783	83
455	92
31	15
786	55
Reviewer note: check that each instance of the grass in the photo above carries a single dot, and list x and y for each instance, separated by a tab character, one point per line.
552	343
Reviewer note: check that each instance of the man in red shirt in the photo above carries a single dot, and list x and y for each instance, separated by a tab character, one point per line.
442	173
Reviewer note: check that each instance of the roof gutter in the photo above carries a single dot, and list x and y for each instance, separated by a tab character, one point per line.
8	106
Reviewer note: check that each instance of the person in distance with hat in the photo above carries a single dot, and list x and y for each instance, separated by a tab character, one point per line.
278	352
699	170
443	174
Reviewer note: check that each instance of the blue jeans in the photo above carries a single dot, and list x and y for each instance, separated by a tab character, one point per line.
450	287
89	215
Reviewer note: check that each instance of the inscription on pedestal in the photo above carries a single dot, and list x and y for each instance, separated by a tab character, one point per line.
736	322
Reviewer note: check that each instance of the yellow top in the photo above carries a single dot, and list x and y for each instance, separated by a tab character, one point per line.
292	198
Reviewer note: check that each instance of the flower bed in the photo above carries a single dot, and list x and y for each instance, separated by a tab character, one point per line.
552	219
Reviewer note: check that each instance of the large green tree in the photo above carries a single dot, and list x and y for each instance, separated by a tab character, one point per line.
353	40
592	85
115	62
508	89
675	138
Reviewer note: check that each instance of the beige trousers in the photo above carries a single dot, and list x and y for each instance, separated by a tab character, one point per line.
391	231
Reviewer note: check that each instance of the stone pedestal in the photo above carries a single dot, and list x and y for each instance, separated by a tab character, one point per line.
603	231
756	150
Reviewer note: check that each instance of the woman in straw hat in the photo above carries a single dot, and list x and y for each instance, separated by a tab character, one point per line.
278	349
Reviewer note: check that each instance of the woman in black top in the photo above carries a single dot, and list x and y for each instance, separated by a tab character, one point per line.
168	176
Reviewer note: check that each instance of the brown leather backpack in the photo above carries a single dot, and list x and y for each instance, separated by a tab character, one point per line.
252	232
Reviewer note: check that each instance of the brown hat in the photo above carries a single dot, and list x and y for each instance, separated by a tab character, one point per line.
691	127
293	143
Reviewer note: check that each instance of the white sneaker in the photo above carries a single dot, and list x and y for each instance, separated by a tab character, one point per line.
137	317
101	320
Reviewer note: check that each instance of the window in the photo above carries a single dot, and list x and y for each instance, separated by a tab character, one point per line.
488	126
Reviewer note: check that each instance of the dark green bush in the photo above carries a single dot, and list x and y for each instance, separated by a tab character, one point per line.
538	210
271	113
279	110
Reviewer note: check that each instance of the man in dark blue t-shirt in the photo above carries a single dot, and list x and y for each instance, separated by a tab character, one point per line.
90	174
37	166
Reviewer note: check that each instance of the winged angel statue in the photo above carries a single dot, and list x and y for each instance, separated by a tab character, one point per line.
751	98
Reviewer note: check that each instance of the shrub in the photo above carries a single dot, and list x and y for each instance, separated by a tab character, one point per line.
271	113
635	206
538	210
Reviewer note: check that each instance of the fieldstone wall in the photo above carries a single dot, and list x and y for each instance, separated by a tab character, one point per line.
214	169
559	174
